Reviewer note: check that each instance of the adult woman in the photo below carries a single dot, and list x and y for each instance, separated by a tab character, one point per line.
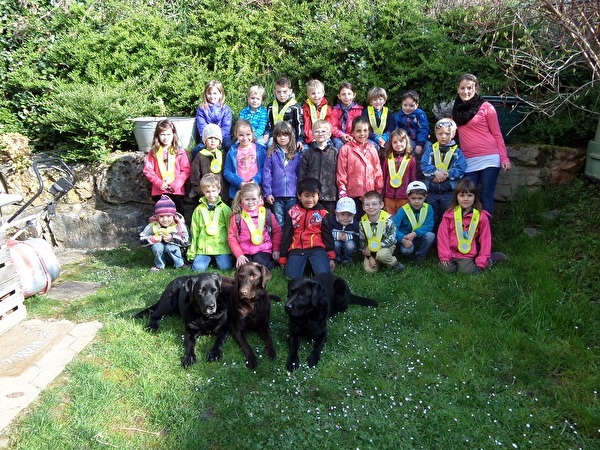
480	139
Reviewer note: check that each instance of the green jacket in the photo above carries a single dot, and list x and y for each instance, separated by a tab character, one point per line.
202	243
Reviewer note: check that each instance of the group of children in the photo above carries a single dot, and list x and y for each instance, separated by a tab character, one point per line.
314	184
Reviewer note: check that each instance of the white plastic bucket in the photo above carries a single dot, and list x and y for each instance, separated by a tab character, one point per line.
35	263
145	126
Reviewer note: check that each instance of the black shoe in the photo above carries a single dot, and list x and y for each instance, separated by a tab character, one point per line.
398	267
420	260
497	257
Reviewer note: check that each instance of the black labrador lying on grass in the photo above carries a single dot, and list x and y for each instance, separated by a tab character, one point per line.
250	307
309	304
198	300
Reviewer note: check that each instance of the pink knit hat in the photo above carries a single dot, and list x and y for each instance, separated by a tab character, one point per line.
165	206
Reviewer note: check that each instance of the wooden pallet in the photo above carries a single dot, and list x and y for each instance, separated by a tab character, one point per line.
12	309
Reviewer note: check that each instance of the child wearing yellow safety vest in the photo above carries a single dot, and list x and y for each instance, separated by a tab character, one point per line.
254	233
414	224
210	222
443	165
464	238
166	235
380	118
285	108
377	235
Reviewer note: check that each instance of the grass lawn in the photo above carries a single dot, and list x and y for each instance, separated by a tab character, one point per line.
508	359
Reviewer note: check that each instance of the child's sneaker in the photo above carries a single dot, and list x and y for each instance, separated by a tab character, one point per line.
420	260
155	269
399	267
497	257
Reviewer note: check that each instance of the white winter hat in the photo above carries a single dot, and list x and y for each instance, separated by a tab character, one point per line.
212	130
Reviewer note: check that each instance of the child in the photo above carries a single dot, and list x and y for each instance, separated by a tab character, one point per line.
358	169
306	234
254	234
315	108
343	114
280	172
214	110
414	224
166	234
381	121
167	165
209	228
320	162
345	230
413	120
399	170
377	235
464	236
256	113
245	160
443	165
209	160
285	108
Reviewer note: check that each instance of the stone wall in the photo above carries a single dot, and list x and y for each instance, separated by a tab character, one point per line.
111	202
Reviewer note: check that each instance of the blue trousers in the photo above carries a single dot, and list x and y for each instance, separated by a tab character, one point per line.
421	245
296	262
201	262
486	180
163	252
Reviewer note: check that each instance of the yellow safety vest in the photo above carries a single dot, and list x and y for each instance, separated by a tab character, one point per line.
397	176
377	129
437	157
166	172
216	164
374	240
465	238
256	231
277	115
157	230
314	115
212	225
414	223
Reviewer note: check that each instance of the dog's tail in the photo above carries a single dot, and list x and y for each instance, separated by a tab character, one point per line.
364	301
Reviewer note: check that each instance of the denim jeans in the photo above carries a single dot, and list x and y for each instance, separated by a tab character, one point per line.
201	262
281	206
486	180
345	250
163	251
296	262
421	245
439	203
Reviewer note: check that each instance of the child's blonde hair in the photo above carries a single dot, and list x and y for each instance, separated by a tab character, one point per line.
160	127
404	136
320	123
210	85
448	123
314	84
248	188
375	93
210	180
242	123
258	90
284	128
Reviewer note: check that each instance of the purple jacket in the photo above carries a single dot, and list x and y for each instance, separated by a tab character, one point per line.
279	180
219	114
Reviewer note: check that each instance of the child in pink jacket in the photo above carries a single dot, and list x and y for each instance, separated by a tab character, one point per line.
343	114
464	238
167	165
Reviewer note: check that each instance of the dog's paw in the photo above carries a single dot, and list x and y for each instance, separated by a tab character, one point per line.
274	298
152	325
292	364
252	362
214	355
313	359
189	360
270	352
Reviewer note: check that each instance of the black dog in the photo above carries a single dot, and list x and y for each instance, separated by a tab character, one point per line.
310	303
250	307
197	298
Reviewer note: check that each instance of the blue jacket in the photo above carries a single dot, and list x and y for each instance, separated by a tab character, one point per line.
415	124
230	170
258	119
403	225
280	180
456	170
220	115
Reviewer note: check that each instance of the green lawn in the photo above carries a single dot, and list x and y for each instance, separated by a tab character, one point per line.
506	359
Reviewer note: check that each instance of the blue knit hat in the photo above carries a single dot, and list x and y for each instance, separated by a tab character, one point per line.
165	206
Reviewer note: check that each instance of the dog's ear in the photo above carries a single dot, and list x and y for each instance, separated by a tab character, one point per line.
185	293
266	275
218	281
